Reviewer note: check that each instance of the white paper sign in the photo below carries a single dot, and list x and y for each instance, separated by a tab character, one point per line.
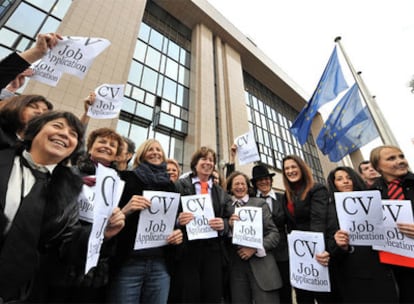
108	190
75	55
108	101
246	148
305	272
248	231
202	209
45	73
360	213
157	222
397	211
86	202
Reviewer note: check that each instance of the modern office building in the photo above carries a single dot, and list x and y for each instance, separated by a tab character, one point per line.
191	78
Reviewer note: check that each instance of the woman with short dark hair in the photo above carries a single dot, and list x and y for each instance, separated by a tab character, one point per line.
40	212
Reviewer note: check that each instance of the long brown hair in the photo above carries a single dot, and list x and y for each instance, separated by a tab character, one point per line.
307	181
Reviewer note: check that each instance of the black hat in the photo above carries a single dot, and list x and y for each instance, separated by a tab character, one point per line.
260	171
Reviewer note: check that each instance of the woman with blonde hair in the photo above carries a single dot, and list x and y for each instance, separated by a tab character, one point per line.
141	275
173	169
397	183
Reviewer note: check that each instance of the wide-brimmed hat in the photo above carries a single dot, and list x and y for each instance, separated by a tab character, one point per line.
260	171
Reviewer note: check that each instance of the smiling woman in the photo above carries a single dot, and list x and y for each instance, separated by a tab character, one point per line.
141	275
40	211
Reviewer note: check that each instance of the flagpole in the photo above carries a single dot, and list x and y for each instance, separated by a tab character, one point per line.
381	124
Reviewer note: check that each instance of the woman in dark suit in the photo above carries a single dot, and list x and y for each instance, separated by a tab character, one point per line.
357	271
306	209
254	275
397	183
199	277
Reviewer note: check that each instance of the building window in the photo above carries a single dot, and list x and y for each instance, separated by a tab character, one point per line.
28	19
156	99
270	118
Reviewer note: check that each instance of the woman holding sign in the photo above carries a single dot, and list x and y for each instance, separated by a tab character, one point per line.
356	270
142	275
103	146
396	183
254	275
306	209
199	271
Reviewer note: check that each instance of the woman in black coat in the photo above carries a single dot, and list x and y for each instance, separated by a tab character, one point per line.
357	271
39	211
391	163
142	275
306	209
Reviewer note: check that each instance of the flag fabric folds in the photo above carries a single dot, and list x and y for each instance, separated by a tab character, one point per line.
348	127
359	132
332	83
338	121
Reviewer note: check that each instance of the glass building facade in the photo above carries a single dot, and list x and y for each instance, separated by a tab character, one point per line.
156	102
156	98
21	21
270	119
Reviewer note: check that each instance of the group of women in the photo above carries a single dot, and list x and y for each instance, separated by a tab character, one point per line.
43	241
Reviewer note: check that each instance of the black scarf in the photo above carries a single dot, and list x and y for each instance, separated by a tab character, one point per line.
153	176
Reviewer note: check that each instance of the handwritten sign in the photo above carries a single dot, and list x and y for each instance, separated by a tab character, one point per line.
305	272
157	222
108	190
247	149
248	231
108	101
202	209
360	213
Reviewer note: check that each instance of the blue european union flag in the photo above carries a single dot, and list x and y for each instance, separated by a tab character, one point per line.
339	120
360	131
330	85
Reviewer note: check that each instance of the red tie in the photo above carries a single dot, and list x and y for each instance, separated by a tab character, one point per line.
395	190
204	187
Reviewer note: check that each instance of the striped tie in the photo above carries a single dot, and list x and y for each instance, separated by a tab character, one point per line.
395	190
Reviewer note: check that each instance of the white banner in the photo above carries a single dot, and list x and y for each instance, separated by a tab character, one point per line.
397	211
44	73
108	101
202	209
305	272
360	213
246	148
108	190
75	55
248	231
157	222
86	201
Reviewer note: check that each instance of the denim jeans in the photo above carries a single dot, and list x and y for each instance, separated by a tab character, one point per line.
141	280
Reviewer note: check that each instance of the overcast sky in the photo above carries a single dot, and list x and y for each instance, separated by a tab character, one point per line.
377	35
